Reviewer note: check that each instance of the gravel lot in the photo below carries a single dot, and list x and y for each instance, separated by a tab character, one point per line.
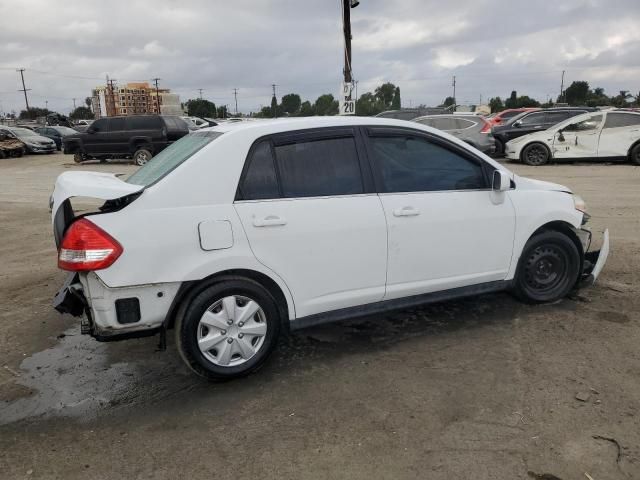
483	388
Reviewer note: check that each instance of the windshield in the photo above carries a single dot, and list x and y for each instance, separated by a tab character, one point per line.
66	130
24	132
172	156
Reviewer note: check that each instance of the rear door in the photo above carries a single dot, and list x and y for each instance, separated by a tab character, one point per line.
447	228
311	215
621	130
118	136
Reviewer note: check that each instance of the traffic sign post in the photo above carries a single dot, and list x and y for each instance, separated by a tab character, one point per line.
346	101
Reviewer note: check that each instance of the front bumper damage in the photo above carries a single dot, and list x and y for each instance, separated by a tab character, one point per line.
595	260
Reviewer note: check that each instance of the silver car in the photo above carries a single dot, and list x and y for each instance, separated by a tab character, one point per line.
472	129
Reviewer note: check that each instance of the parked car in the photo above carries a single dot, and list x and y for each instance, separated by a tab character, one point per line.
411	113
529	122
139	137
33	142
10	146
84	123
608	135
501	117
471	129
55	133
197	122
261	227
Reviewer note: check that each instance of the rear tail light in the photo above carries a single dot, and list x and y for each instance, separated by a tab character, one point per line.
486	128
86	247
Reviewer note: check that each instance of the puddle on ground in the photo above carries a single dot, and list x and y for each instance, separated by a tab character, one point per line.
80	377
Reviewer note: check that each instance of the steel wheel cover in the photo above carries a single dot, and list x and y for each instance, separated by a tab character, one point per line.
232	331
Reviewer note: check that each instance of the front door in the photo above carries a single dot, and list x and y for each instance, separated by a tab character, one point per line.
96	137
447	228
578	140
312	217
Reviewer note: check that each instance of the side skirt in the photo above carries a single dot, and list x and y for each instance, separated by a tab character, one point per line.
397	304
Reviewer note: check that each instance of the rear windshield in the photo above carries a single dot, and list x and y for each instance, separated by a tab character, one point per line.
172	156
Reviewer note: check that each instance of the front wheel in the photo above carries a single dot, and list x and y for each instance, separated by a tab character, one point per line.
141	156
535	154
635	155
78	157
548	268
228	329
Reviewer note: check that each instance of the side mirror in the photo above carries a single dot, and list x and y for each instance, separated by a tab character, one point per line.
560	135
517	124
501	181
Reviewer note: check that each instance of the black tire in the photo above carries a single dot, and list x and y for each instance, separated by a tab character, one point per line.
634	156
548	268
78	157
141	156
499	148
187	327
535	154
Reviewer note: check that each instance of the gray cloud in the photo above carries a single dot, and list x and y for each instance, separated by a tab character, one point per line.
492	47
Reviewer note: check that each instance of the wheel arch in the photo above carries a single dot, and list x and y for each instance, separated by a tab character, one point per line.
565	228
188	290
532	142
633	145
136	142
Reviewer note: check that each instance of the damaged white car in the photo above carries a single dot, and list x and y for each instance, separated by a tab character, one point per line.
238	233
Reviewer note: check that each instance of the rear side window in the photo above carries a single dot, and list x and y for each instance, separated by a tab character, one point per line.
118	124
144	123
462	123
615	120
319	168
409	164
260	181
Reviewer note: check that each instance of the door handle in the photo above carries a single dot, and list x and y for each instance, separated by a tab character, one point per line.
406	212
269	221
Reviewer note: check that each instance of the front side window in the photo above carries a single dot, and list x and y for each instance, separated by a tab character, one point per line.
260	181
409	164
534	118
100	125
557	117
591	123
616	120
171	157
318	168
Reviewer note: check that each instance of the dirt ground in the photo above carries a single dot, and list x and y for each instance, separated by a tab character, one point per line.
483	388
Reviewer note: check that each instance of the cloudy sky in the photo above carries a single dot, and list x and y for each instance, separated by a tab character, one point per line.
492	46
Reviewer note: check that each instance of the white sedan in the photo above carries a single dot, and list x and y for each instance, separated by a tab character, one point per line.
607	135
236	233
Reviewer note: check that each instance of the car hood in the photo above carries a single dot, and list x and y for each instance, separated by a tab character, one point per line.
532	184
103	186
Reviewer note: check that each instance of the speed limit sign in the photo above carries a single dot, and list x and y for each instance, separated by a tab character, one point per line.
346	100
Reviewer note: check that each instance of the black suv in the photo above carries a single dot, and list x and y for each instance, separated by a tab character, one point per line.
529	122
138	137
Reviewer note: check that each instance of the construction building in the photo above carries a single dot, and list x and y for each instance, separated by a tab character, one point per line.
134	98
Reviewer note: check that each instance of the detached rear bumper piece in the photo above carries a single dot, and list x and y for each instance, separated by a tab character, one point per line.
594	262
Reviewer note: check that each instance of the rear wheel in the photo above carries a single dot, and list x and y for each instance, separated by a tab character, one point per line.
141	156
78	157
228	329
535	154
548	268
635	155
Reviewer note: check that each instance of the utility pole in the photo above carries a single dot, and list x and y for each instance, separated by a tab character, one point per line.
46	104
235	96
74	103
562	88
200	90
275	110
347	5
454	93
110	100
24	89
155	80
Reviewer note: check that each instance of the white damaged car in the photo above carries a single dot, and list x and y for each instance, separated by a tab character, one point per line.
608	135
240	232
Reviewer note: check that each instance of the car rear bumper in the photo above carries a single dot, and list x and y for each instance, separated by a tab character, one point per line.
115	313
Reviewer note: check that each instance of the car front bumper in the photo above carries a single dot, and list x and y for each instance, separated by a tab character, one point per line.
594	262
510	152
41	148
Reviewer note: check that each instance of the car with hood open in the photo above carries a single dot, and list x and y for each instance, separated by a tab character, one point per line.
238	233
610	135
